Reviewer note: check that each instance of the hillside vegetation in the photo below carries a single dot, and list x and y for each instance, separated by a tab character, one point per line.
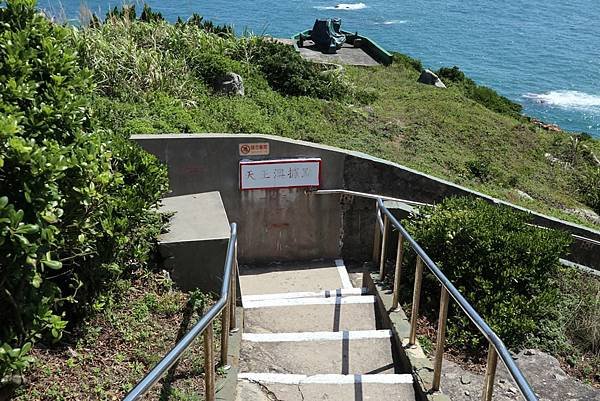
156	77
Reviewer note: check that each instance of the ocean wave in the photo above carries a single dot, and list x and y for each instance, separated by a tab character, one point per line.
392	22
567	99
343	6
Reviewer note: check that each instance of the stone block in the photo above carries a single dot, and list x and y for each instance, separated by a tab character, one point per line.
194	248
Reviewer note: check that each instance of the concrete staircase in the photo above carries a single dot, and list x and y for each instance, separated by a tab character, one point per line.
310	335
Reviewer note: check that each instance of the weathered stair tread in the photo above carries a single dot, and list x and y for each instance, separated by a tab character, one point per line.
348	356
301	278
250	391
303	318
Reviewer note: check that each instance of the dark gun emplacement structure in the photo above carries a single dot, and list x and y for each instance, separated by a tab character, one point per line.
326	42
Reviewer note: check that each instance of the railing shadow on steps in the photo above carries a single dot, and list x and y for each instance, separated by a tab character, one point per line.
226	307
496	348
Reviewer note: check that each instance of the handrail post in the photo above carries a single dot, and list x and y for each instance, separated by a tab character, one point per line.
415	303
386	224
225	316
490	374
399	256
441	339
377	238
234	278
209	369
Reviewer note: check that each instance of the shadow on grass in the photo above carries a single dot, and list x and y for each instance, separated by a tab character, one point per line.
195	303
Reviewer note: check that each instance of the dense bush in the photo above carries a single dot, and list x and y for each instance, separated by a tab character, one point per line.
589	188
503	266
288	73
481	94
74	201
407	61
208	26
480	169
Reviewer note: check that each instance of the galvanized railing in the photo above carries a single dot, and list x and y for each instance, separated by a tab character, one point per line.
224	306
496	346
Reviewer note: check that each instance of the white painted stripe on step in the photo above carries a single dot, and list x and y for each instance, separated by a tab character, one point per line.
351	379
283	378
269	303
316	336
340	292
341	268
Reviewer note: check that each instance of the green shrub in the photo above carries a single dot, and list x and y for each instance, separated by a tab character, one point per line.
198	21
211	66
130	58
407	61
503	266
480	169
74	201
288	73
589	188
481	94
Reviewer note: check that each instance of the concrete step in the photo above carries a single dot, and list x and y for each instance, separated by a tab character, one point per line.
303	277
354	352
261	387
310	314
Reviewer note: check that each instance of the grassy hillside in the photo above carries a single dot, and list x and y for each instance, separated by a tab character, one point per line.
157	78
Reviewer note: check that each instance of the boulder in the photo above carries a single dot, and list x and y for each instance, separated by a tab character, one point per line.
429	78
230	84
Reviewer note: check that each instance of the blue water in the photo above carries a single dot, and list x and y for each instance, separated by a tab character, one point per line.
545	54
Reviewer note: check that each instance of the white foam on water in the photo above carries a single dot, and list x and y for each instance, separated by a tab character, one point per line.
394	22
567	99
343	6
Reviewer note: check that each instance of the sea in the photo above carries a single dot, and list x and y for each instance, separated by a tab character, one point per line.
544	54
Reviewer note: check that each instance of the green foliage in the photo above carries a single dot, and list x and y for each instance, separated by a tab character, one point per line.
133	57
480	169
73	201
407	61
503	266
208	26
481	94
288	73
589	188
209	67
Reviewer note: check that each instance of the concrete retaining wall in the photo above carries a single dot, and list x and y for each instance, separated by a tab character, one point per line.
286	224
280	224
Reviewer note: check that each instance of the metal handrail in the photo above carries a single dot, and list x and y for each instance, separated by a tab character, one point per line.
365	195
415	203
225	304
496	344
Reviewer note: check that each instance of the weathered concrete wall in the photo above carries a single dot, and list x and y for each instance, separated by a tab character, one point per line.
367	174
287	224
281	224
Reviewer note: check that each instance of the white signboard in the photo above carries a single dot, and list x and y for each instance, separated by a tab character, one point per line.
285	173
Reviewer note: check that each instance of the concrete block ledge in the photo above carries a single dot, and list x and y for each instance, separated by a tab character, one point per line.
413	359
194	247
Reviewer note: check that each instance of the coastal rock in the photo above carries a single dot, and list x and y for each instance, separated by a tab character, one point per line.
429	78
547	127
524	195
542	370
587	214
230	84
